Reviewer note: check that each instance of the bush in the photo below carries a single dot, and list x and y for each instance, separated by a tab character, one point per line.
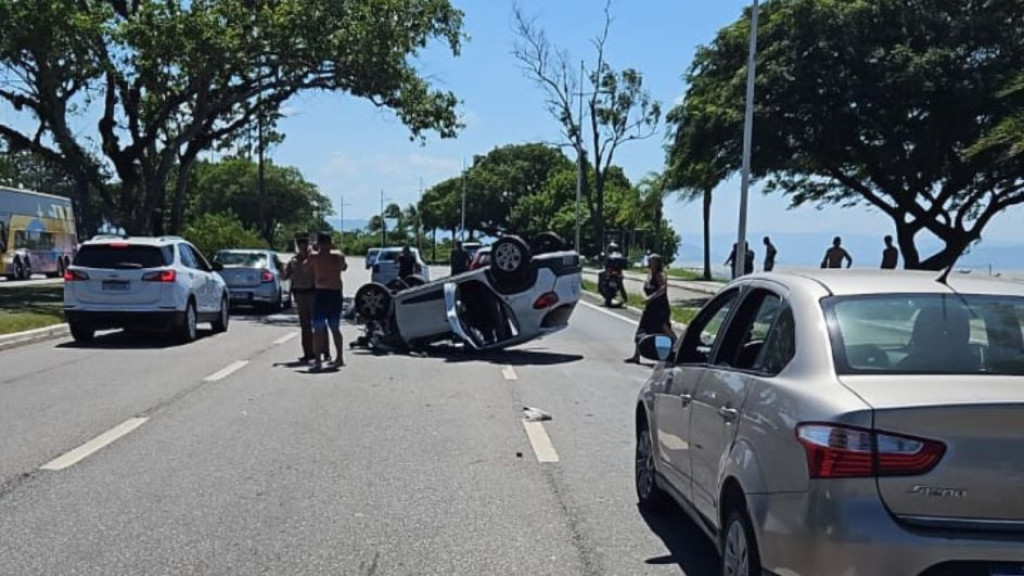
213	232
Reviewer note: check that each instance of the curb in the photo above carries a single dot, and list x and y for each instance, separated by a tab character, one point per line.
17	339
598	301
691	285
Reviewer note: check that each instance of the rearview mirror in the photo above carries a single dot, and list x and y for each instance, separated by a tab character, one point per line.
217	266
656	347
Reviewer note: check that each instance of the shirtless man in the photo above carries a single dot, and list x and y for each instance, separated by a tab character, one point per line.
327	299
835	255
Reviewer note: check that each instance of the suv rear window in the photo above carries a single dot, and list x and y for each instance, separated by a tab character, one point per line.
927	334
123	256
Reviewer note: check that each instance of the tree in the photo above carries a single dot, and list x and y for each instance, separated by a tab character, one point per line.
618	106
1007	137
872	103
213	232
292	203
171	78
441	206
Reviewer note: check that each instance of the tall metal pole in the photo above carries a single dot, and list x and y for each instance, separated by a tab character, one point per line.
740	260
579	162
463	232
419	219
383	225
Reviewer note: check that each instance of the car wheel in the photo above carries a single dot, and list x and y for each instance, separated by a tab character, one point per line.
547	242
649	496
373	302
82	333
510	257
27	270
289	301
187	332
19	270
221	323
277	304
739	548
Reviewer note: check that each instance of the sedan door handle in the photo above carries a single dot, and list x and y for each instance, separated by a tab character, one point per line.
729	414
686	399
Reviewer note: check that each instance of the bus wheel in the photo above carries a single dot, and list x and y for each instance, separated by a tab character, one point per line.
19	270
27	271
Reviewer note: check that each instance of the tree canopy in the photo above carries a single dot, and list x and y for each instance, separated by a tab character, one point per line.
168	79
876	103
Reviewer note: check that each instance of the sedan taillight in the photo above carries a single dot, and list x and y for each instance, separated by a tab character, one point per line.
75	276
266	276
835	451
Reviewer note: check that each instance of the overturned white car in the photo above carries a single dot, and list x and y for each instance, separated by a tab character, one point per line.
522	295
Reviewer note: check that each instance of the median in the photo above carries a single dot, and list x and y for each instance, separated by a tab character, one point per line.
679	314
29	306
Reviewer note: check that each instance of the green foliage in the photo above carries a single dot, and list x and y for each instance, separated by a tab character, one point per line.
169	79
211	232
873	103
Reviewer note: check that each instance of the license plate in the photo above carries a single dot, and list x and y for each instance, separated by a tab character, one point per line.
115	285
1007	570
242	296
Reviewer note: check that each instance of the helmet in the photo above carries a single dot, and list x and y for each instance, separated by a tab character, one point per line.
613	247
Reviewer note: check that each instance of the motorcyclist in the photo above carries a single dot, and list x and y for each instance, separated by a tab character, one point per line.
614	264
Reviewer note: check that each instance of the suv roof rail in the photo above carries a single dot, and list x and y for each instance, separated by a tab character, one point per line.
171	237
109	236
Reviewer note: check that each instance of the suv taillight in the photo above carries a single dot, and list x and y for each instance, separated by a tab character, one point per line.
75	276
266	276
160	276
835	451
545	301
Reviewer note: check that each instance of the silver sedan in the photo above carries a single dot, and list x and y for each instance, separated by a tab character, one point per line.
254	278
844	423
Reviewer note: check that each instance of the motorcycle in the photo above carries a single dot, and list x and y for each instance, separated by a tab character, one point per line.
610	282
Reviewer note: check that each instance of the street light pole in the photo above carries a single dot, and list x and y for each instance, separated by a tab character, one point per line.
579	162
740	259
382	223
463	232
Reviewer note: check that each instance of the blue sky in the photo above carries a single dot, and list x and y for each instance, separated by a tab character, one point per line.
348	146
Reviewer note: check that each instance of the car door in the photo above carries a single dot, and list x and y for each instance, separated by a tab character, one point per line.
197	280
212	287
673	393
718	401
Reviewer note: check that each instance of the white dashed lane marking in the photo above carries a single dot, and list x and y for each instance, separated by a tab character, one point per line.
285	338
226	371
509	373
540	441
96	444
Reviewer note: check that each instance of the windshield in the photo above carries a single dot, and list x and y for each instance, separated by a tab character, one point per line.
927	334
123	256
241	259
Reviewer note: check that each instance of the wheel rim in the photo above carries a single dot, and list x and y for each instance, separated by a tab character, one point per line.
224	313
644	465
508	257
736	560
191	319
372	303
19	270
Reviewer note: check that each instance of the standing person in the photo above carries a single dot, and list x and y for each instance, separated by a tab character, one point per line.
890	256
407	264
769	254
835	255
459	259
300	272
748	263
327	300
657	315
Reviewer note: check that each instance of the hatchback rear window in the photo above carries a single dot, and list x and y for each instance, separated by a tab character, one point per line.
241	259
927	334
123	256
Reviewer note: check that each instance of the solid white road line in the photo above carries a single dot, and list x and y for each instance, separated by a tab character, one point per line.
92	446
509	373
540	441
226	371
285	338
612	314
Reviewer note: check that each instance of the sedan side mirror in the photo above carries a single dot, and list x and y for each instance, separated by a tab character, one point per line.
217	266
656	347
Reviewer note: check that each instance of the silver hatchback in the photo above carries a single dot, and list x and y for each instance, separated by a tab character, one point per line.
844	423
255	278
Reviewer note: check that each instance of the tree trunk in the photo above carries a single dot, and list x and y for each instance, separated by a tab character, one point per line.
599	214
657	245
86	227
180	194
948	256
905	238
707	234
433	251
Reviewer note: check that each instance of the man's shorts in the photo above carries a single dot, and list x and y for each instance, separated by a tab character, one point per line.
327	306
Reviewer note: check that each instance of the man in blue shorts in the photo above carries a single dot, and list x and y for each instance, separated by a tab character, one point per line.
327	300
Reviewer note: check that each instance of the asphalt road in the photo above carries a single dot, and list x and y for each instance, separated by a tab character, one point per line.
233	462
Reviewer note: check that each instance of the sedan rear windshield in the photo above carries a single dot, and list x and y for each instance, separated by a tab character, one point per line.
241	259
927	334
123	256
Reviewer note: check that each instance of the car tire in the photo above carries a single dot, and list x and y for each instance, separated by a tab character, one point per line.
27	271
277	304
547	242
19	270
373	302
650	497
289	301
740	556
220	325
510	258
81	332
187	331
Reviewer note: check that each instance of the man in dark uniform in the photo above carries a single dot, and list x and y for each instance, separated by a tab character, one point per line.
459	259
407	265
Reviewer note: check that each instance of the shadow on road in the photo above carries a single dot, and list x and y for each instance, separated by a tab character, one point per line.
134	340
452	354
689	548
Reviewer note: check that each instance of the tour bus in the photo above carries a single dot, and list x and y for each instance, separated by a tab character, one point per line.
37	234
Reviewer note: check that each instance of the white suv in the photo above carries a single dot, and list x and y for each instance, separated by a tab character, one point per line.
142	283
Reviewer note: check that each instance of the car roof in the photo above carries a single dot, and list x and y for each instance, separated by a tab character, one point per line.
398	249
138	240
866	282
